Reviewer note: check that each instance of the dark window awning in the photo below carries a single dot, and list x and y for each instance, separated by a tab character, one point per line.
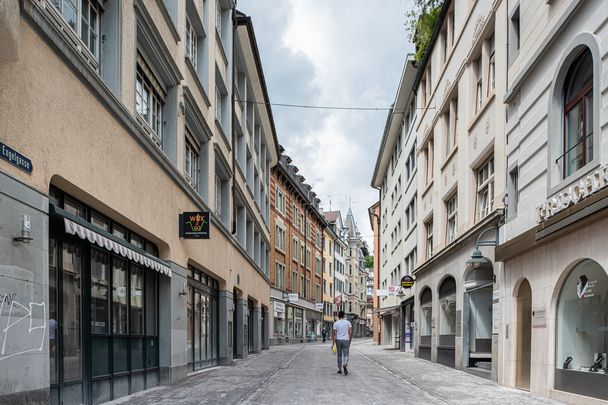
77	226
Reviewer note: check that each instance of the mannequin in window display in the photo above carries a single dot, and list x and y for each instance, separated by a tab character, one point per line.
582	320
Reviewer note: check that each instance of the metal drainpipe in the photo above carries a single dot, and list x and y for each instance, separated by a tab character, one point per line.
234	212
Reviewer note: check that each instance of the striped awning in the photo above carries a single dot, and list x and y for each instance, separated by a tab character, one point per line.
96	238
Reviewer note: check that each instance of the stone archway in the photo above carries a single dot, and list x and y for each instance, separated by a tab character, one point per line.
523	336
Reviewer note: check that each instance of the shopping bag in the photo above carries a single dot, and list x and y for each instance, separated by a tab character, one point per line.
333	348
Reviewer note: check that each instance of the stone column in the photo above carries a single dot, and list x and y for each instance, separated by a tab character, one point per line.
172	325
256	324
225	337
266	329
241	329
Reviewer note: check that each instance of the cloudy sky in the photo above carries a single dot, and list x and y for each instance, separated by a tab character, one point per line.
332	53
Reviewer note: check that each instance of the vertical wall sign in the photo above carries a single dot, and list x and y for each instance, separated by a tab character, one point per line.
194	225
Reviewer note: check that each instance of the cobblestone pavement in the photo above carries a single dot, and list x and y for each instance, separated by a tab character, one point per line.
306	374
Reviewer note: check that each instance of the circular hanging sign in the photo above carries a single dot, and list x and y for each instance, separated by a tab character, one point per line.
407	282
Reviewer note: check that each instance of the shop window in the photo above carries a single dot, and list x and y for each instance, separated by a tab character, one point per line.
582	332
577	147
426	317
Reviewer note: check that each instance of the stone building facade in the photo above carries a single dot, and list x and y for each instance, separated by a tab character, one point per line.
297	238
554	322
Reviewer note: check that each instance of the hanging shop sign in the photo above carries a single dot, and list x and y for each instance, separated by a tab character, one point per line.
194	225
393	290
292	297
319	306
574	194
15	158
407	281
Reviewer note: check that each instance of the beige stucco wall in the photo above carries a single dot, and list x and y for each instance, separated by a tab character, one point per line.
52	117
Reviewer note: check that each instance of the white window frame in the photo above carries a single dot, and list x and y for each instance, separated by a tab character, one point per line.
485	188
81	20
452	217
218	104
478	84
280	200
191	44
149	100
191	160
429	238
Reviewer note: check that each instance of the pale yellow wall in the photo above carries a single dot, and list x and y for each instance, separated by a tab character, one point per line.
52	117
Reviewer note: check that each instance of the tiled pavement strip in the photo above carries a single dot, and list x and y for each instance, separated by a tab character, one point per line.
306	374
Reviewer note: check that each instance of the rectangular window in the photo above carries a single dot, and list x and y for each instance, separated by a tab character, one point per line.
492	66
279	275
218	104
149	100
452	211
191	160
279	236
513	193
485	188
191	43
294	249
279	201
294	215
429	238
294	282
218	17
429	162
479	84
82	16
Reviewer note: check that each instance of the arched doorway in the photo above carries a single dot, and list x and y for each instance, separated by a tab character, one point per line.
582	332
446	347
477	312
426	324
524	335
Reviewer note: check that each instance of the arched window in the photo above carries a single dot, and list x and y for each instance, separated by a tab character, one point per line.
577	104
582	332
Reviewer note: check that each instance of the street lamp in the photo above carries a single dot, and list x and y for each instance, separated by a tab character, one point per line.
477	260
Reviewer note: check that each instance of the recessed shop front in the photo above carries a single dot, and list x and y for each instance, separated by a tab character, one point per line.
103	306
203	326
446	345
477	311
426	324
582	332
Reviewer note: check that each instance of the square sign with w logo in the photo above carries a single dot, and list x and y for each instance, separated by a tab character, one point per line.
194	225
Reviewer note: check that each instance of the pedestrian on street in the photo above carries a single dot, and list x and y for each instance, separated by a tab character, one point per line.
343	334
324	334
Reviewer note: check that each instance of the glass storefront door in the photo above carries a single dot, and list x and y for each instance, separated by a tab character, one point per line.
65	321
202	320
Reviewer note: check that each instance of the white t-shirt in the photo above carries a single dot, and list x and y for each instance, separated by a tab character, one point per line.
342	326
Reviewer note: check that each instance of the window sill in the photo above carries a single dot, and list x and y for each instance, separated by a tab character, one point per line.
481	111
449	157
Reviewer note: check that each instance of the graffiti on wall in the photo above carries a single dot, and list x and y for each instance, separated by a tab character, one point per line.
22	326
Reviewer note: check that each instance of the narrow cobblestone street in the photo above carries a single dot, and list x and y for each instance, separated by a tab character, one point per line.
306	374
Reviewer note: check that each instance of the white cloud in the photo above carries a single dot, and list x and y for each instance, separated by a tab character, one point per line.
337	53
